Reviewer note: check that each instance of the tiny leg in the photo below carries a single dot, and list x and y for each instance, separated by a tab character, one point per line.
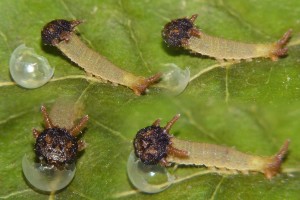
221	61
77	128
170	123
185	43
273	167
47	120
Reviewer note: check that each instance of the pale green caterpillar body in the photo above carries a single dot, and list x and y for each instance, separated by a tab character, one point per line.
227	49
94	63
183	33
212	155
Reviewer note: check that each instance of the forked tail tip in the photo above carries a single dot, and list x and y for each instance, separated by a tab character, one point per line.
141	86
279	47
273	167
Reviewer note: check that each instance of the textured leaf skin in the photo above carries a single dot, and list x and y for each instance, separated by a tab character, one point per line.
252	106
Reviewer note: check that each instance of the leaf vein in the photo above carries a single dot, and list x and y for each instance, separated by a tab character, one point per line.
15	194
217	188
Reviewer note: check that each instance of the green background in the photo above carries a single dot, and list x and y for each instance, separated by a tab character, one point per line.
252	106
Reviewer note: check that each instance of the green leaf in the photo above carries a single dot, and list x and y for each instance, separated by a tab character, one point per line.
252	106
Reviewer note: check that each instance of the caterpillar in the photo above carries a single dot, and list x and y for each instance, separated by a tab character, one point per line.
56	148
56	145
155	145
183	33
60	33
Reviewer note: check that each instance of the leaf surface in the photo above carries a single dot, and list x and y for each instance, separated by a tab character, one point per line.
252	106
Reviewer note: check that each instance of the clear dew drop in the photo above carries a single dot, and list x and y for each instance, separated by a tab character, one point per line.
148	178
46	177
175	79
28	69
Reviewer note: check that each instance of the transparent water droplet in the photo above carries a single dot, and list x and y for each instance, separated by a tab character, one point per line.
46	177
28	69
148	178
174	79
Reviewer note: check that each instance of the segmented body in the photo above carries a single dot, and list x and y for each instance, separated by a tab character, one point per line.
94	63
183	33
65	112
227	49
211	155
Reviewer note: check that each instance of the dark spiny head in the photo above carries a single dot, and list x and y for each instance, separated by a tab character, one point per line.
150	144
56	146
176	31
57	31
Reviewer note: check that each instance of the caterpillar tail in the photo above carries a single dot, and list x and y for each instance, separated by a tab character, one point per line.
273	165
279	48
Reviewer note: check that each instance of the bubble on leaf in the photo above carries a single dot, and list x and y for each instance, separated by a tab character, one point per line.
148	178
46	177
28	69
174	79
